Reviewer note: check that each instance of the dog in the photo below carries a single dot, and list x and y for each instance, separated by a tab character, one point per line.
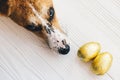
39	17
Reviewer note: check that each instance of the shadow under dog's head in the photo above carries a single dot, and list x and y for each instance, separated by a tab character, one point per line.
39	17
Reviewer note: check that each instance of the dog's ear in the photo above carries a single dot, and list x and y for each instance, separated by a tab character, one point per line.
6	7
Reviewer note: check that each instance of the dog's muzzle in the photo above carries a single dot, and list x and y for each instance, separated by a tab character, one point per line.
57	40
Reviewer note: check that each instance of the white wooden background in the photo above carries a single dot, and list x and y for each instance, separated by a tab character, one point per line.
24	56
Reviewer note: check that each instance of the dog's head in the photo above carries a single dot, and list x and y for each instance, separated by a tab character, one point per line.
38	16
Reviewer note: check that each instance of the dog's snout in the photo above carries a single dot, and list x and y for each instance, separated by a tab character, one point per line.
57	40
33	27
64	50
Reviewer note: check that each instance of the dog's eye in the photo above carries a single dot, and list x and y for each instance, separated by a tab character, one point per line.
51	13
32	27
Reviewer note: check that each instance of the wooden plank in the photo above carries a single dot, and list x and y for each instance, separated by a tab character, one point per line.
22	59
93	22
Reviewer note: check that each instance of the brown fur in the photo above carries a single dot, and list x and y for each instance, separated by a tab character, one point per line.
20	12
39	17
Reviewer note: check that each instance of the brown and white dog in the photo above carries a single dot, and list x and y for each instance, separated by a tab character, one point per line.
37	16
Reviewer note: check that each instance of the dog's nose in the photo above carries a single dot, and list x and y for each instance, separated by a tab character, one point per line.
64	50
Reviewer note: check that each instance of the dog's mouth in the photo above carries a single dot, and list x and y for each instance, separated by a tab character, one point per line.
57	41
